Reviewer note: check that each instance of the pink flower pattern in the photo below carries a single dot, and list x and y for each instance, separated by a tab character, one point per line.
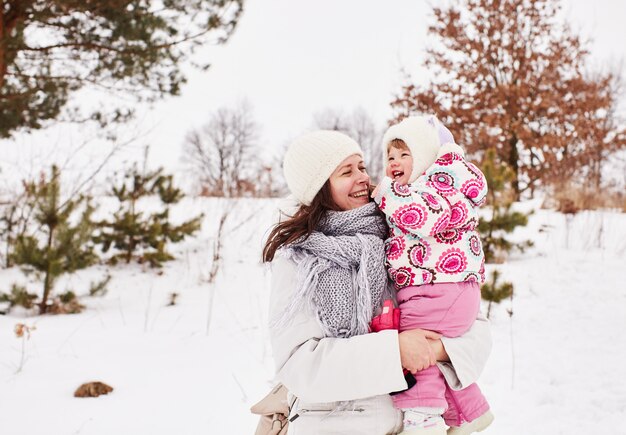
441	224
481	271
475	245
442	182
432	202
470	225
400	190
458	214
448	159
452	261
395	248
449	237
472	277
472	189
419	253
403	277
448	248
428	275
412	216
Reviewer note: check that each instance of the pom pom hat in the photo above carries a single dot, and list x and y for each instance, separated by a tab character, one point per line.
424	136
312	158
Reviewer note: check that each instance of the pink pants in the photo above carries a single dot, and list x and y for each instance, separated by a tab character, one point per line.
449	309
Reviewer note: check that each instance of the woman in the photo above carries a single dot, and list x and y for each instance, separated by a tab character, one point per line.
326	285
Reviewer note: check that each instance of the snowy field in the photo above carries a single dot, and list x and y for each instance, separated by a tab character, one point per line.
196	367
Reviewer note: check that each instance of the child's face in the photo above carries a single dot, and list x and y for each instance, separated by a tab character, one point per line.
399	165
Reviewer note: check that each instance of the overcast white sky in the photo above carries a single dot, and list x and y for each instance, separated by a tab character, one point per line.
291	58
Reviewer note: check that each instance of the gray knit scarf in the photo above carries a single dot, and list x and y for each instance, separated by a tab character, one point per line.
341	271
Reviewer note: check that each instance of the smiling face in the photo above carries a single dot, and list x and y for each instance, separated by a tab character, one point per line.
399	162
349	183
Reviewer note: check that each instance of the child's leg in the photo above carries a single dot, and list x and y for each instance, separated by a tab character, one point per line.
428	392
447	308
464	405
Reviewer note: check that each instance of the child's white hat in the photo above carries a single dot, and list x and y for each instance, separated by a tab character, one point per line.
423	135
312	158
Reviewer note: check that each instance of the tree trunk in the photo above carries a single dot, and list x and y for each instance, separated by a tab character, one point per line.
3	64
9	19
514	164
47	283
131	240
131	248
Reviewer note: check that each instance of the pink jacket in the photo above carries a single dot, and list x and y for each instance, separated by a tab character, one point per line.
433	222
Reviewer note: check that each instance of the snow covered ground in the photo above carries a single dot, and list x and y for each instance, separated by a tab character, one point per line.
556	367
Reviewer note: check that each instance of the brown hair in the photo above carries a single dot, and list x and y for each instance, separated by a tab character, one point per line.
301	224
398	144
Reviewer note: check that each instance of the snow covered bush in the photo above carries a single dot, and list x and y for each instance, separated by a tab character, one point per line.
135	234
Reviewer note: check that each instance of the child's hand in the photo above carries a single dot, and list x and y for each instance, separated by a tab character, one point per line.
375	191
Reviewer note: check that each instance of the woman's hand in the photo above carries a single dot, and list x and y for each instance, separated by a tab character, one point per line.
415	351
439	350
375	191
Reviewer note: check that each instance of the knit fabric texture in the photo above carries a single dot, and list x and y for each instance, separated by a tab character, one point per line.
312	158
341	271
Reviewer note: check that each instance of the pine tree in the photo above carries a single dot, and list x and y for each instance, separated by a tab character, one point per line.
19	296
493	292
135	234
49	49
58	245
503	220
9	222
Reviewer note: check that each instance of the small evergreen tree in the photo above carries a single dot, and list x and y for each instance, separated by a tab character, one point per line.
14	219
8	223
503	220
131	231
58	245
493	292
19	296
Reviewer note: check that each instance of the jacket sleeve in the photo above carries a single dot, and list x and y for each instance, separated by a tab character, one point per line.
468	354
325	369
416	209
455	178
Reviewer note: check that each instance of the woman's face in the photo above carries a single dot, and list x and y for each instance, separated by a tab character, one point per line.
349	183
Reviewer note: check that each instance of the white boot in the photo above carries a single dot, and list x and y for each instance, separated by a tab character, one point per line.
423	421
478	425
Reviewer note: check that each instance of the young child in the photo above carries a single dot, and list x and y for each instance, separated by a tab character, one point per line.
430	196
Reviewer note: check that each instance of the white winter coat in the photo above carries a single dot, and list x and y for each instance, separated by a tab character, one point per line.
320	370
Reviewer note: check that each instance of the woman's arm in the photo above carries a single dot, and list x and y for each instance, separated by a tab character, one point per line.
319	369
324	369
467	354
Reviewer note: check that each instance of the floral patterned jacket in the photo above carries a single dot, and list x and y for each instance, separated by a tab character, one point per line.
433	236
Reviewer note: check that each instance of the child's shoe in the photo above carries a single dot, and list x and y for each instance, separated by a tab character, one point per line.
423	421
477	425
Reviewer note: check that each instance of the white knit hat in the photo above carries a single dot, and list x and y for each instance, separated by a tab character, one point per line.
423	135
311	159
